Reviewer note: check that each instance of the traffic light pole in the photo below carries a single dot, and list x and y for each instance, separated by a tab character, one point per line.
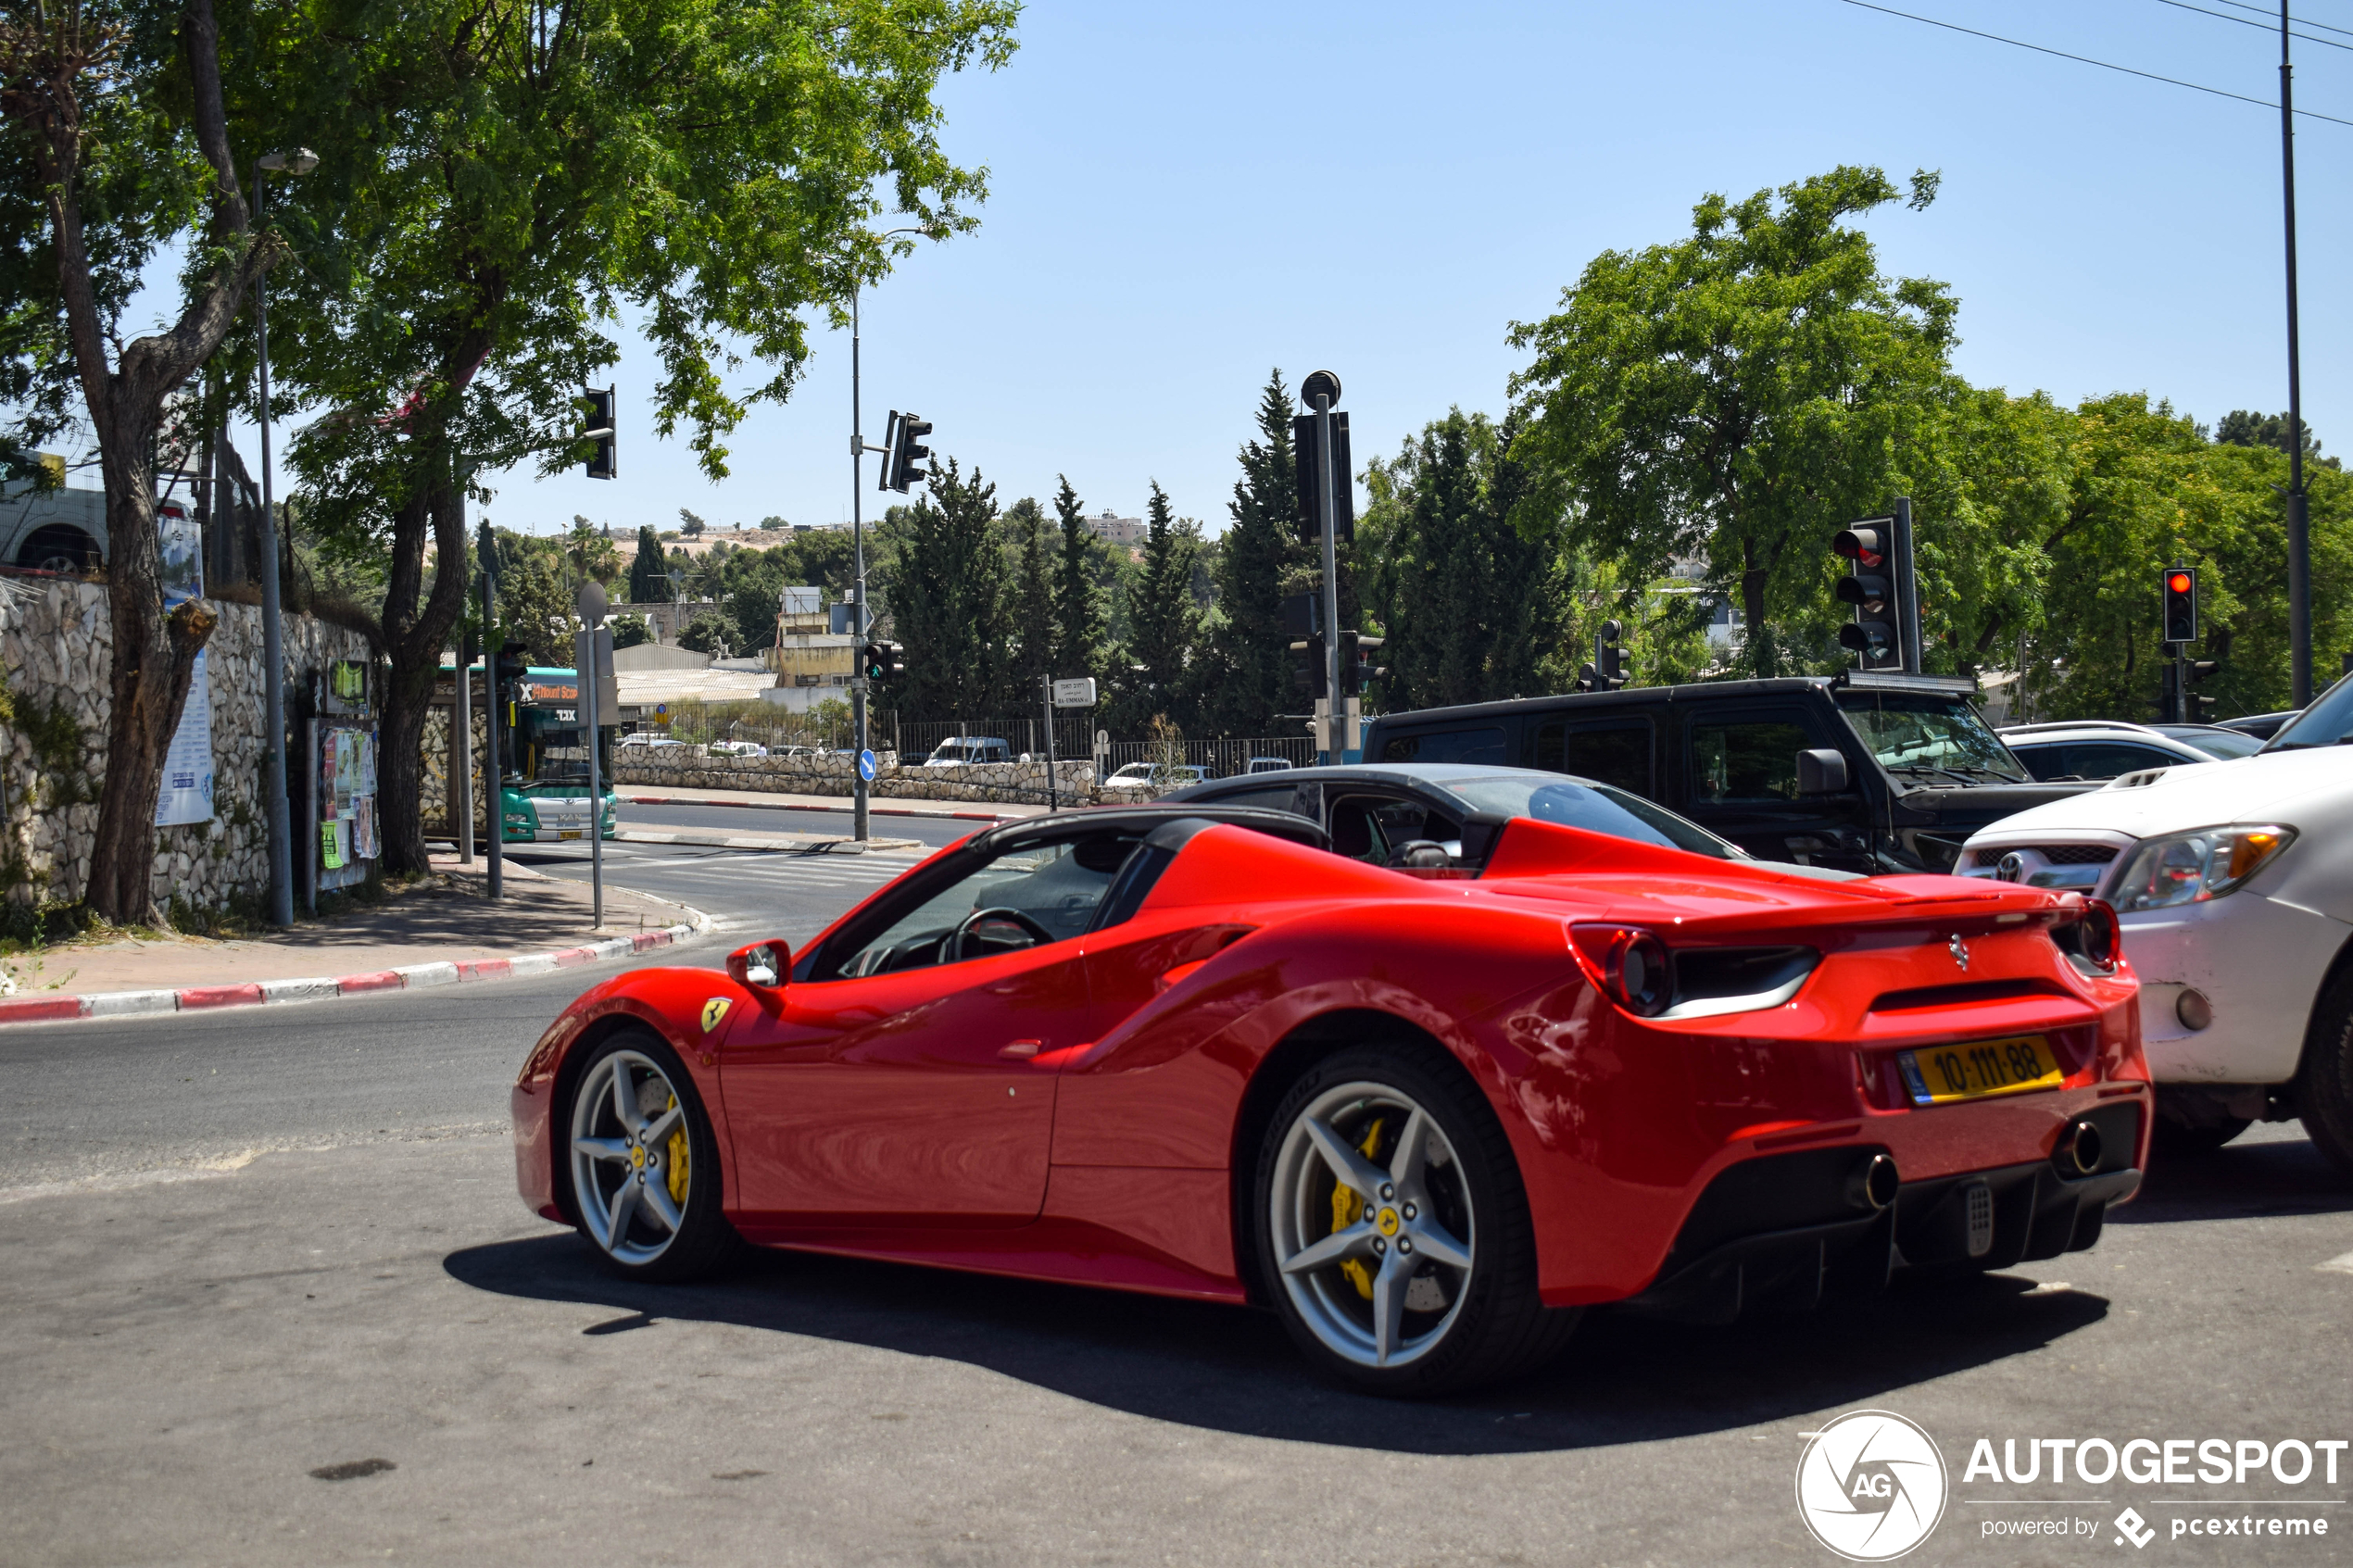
494	801
2299	517
1334	707
858	799
1907	584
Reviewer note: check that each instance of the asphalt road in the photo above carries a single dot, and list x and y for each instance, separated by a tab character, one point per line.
270	1299
933	831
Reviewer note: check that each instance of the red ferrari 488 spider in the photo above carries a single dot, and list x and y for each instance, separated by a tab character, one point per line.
1427	1115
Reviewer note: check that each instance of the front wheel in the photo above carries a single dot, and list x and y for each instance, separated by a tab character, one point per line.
644	1162
1393	1229
2325	1100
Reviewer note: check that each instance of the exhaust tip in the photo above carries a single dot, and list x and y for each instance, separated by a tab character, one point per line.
2080	1149
1873	1184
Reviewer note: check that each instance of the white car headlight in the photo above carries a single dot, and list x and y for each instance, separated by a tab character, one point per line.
2185	868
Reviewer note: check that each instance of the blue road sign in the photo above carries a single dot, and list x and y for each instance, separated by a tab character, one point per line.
866	766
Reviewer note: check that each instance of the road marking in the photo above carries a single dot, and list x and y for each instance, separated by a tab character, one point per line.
2336	1265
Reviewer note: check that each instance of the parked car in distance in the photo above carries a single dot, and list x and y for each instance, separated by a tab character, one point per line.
1179	774
2232	883
643	740
957	751
738	748
2101	748
2262	726
1874	773
1267	764
62	531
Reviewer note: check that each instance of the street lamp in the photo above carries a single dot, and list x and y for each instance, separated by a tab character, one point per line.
857	450
302	160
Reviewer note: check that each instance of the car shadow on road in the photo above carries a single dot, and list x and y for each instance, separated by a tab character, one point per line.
1229	1369
2256	1178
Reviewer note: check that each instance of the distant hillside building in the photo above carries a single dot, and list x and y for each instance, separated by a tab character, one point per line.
1116	530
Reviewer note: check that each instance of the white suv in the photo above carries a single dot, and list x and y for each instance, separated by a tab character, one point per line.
2233	883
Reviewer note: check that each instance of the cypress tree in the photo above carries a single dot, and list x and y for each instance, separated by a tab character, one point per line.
1162	612
947	600
1246	676
650	572
1032	601
1078	600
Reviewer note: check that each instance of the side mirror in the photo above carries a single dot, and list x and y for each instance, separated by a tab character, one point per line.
1821	772
763	964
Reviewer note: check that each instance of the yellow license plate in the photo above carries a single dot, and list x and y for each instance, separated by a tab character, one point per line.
567	832
1941	1074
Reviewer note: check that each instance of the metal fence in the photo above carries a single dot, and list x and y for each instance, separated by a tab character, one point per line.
1224	758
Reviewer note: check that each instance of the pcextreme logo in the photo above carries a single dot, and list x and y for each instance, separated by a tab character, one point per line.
1870	1486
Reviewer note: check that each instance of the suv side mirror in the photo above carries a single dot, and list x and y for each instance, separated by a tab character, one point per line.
1821	772
760	964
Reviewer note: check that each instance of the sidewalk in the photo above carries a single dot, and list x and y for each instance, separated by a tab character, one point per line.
436	933
684	795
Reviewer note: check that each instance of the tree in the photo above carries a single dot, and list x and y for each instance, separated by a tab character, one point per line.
650	571
1032	606
535	605
1078	597
2242	428
499	185
707	632
689	524
591	553
1248	680
114	114
1162	610
948	595
631	631
1468	604
1735	397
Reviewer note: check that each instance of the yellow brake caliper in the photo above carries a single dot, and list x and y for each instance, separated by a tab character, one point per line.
677	1147
1346	1206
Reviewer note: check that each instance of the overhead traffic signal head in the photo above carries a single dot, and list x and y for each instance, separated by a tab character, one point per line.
2198	709
1871	585
604	462
1307	457
511	663
1357	670
903	454
1615	670
2178	590
883	666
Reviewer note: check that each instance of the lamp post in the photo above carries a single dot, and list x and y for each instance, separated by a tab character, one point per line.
859	617
2299	520
302	160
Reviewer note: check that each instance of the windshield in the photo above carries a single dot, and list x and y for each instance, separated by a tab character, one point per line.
2223	744
2329	721
1930	734
1596	807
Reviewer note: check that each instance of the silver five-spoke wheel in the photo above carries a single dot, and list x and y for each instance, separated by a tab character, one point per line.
1370	1217
632	1169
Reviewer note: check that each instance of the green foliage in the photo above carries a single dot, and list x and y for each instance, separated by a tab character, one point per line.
948	598
536	597
689	524
1735	397
707	632
1246	677
1164	621
592	555
648	570
1031	602
631	631
1080	632
2241	427
1468	606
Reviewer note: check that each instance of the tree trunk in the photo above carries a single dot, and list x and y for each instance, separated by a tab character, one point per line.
414	638
1755	644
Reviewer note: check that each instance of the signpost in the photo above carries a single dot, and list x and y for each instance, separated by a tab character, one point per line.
589	674
494	776
1077	693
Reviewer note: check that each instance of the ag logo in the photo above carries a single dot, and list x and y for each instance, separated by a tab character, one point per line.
713	1010
1870	1486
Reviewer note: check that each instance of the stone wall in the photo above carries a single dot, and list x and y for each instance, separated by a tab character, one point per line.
56	644
692	768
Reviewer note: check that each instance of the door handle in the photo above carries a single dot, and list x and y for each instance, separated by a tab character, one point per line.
1020	1050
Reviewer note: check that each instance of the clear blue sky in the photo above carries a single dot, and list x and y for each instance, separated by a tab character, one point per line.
1185	196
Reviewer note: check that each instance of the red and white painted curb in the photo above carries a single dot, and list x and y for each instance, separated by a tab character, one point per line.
201	998
871	810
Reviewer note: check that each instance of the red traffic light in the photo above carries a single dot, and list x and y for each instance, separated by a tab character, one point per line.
2179	581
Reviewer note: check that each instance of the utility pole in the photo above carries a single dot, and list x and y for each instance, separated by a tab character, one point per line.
273	645
494	776
1322	390
2299	518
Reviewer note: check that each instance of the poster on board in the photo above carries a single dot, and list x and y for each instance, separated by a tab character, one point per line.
185	794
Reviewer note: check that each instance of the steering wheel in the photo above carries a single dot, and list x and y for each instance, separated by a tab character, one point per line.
952	947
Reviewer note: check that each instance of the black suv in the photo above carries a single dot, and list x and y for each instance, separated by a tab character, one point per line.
1864	772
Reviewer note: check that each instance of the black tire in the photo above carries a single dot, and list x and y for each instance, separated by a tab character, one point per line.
2325	1097
1491	1324
649	1248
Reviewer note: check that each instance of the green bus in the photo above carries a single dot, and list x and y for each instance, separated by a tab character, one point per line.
543	766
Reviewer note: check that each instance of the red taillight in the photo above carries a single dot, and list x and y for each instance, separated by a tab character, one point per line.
1630	964
2103	939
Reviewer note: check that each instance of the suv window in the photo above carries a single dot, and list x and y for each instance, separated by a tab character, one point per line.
1616	752
1374	827
1745	760
1447	745
2107	758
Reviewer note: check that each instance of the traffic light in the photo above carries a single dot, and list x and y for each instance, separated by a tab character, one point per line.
2196	710
1615	670
603	463
2178	587
1309	672
1357	667
512	664
903	454
1308	470
1870	586
884	665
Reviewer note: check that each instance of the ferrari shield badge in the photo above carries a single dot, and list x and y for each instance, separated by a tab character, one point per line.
713	1010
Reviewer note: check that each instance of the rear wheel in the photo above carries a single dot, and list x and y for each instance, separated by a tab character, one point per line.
58	547
2325	1100
1393	1228
643	1161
